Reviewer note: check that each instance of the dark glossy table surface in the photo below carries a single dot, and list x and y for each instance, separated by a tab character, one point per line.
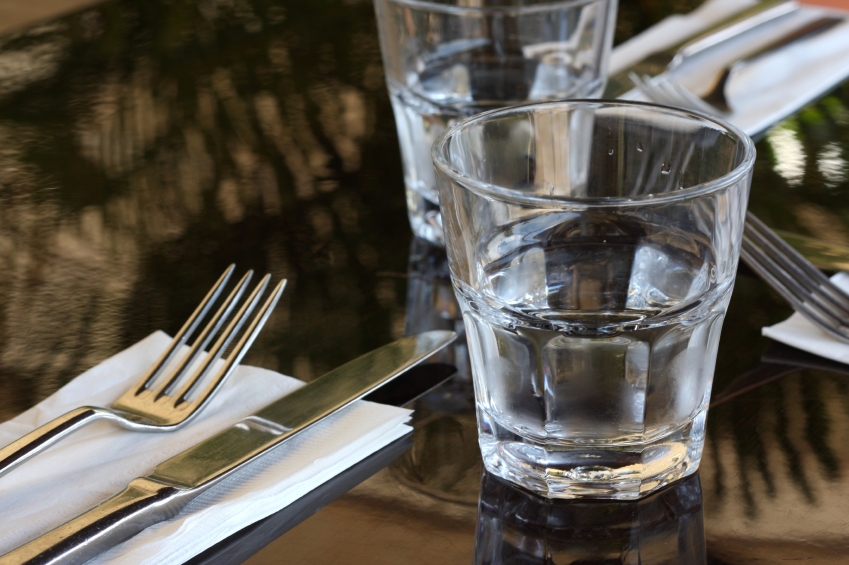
146	145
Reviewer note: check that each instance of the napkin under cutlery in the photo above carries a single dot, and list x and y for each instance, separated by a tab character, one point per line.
796	331
765	91
98	461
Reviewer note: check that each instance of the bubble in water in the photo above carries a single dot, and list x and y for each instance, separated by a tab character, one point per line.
640	147
665	167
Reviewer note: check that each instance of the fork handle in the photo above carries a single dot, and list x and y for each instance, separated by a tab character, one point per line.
143	503
43	437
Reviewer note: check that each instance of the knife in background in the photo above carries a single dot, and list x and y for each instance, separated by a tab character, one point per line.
175	482
658	62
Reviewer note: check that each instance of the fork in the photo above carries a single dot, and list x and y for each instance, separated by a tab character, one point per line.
160	402
796	279
661	88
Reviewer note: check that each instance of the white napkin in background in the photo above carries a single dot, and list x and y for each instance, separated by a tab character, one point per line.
796	331
98	461
765	91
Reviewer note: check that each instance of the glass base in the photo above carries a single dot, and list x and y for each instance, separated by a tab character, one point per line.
603	471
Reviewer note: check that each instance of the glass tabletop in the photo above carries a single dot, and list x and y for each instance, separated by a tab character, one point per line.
144	146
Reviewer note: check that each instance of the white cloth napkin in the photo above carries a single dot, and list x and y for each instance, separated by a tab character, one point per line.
98	461
765	91
796	331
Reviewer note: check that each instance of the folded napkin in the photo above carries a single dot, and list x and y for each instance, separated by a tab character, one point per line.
765	91
98	461
796	331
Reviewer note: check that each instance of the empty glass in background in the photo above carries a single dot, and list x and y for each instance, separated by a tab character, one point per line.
593	247
450	59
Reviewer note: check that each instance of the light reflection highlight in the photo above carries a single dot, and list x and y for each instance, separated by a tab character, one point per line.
832	165
788	153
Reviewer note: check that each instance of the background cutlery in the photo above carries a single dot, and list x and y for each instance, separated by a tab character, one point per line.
808	291
662	89
670	57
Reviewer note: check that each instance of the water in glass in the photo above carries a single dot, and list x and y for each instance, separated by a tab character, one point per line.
583	368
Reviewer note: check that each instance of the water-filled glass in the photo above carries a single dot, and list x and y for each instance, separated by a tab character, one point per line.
449	59
593	247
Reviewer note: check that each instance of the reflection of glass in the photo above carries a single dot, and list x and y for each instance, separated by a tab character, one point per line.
444	461
447	59
593	248
431	304
517	527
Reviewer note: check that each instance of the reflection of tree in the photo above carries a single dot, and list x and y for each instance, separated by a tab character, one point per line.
636	15
800	184
145	146
794	464
803	171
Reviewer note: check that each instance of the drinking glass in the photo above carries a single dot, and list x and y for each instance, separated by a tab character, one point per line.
593	247
449	59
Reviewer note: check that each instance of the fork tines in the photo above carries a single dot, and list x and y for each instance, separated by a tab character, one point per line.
799	282
662	90
177	387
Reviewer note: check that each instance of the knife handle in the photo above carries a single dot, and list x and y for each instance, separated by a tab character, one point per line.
736	25
143	503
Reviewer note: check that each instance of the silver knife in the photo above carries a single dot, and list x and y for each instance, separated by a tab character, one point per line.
175	482
658	62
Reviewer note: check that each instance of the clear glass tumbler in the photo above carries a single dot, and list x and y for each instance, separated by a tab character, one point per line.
593	247
449	59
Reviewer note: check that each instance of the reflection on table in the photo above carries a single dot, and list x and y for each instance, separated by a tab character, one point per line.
516	526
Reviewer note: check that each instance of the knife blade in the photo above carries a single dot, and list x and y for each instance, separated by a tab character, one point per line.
237	548
660	61
175	482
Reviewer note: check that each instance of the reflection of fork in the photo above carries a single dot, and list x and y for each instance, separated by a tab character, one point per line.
662	89
155	404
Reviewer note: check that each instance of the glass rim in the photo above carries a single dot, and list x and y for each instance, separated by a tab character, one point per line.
541	6
438	156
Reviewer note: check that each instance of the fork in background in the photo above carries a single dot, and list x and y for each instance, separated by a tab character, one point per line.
664	90
796	279
158	402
